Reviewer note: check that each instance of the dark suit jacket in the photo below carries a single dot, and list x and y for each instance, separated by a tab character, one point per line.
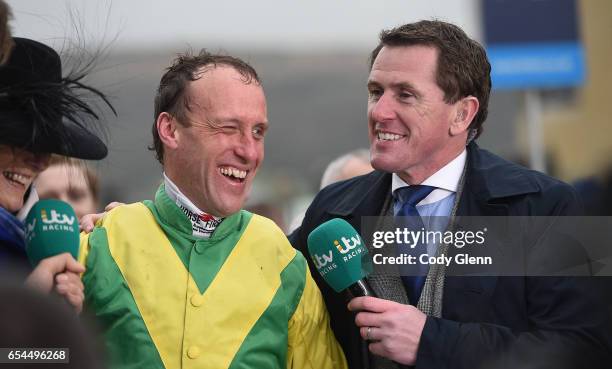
486	321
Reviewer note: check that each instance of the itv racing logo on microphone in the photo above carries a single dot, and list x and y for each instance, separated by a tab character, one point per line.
55	221
350	247
30	230
343	249
321	261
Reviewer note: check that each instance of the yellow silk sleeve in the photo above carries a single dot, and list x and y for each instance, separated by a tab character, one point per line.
312	344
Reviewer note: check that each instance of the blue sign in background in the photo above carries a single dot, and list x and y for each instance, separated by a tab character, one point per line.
533	43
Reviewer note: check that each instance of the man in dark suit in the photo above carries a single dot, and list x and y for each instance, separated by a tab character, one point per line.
429	87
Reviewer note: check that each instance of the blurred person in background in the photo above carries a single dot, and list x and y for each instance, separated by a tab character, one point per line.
190	279
41	113
72	181
352	164
596	193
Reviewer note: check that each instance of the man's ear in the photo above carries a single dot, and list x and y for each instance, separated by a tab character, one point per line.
466	110
166	129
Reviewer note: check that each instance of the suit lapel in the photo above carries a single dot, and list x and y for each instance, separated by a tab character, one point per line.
372	199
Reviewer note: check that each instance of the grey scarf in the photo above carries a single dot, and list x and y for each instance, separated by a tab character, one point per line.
389	286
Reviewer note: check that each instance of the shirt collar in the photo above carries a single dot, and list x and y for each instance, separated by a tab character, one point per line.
203	224
446	178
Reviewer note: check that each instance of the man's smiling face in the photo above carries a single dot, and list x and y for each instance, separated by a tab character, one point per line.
221	146
408	119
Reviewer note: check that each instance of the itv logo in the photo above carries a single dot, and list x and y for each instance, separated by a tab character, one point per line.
320	261
344	246
30	230
56	218
347	244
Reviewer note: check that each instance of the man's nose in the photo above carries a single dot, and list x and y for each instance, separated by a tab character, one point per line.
383	109
248	149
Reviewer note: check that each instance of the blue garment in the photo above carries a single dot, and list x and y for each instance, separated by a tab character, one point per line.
12	240
11	231
409	216
435	216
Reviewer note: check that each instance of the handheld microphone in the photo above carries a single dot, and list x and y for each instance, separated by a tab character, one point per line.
340	256
52	228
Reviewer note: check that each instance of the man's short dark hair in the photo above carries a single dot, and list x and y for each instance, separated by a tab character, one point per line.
171	94
463	68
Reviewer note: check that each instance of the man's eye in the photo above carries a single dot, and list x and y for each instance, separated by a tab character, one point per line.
405	95
374	94
229	129
259	132
76	195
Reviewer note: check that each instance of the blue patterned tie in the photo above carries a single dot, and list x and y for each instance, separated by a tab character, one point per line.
409	197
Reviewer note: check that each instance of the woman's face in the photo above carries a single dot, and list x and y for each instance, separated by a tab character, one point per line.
18	169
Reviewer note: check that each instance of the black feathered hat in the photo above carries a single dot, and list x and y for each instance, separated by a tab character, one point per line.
41	111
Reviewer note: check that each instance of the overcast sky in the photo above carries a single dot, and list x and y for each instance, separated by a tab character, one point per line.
298	25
